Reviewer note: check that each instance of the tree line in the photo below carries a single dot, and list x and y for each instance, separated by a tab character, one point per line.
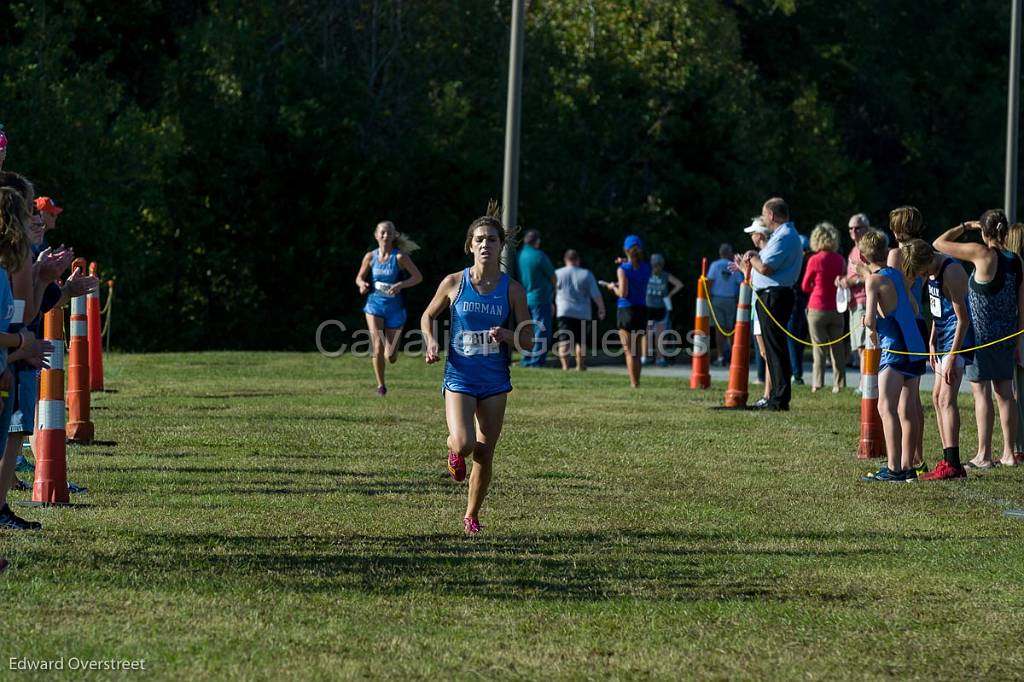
226	160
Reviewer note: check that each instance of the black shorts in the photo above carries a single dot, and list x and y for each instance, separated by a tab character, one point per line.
572	330
632	319
656	315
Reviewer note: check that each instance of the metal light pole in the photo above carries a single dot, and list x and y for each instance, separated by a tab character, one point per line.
1013	113
510	185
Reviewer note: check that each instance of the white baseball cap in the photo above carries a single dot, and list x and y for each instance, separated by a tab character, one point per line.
757	225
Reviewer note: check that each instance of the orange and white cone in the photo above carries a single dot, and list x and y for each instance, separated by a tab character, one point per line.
51	475
872	440
80	428
95	340
700	370
739	367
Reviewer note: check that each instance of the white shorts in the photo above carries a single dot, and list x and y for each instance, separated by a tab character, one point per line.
945	360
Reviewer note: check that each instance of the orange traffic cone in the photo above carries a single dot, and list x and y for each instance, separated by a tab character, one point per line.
872	441
80	428
700	370
51	476
95	340
739	367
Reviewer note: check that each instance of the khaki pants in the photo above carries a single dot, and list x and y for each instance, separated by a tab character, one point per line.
825	326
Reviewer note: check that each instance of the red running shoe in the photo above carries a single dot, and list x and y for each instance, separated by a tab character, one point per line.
456	466
471	525
944	471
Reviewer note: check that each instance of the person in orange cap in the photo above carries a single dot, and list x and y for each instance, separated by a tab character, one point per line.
50	263
48	210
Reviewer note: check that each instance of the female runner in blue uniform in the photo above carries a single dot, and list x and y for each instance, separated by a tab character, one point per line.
483	302
380	276
951	332
891	317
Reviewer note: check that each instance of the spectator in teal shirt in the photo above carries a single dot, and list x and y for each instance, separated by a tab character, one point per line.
537	275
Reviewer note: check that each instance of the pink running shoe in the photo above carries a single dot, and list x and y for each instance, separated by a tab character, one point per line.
471	525
456	466
382	391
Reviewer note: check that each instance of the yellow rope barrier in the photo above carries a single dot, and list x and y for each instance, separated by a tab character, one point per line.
110	295
707	297
894	352
810	344
106	311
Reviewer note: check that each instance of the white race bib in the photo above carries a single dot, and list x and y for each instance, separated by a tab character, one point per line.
934	299
477	343
18	312
383	288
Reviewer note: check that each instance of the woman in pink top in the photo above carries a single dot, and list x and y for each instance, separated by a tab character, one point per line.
824	321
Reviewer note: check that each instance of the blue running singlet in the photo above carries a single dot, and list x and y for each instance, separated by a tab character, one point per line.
945	317
380	303
475	365
638	279
898	331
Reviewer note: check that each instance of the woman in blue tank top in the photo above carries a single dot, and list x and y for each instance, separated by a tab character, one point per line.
488	315
907	224
380	279
631	288
20	344
890	317
996	295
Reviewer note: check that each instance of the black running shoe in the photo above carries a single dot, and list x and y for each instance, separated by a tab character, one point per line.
11	521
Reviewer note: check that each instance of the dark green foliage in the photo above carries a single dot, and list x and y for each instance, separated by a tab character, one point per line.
227	160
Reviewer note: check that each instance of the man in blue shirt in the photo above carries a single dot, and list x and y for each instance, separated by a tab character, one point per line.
778	266
537	275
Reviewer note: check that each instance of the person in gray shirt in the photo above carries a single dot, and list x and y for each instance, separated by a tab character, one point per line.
575	288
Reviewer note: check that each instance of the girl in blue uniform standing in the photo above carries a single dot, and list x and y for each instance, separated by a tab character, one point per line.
631	288
483	302
907	223
891	318
951	332
380	276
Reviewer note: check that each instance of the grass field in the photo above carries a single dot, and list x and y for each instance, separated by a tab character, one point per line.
265	516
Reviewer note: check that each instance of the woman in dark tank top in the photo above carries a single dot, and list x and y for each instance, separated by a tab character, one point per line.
996	299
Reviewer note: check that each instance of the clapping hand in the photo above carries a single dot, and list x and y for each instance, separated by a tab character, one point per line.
80	284
33	350
51	263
